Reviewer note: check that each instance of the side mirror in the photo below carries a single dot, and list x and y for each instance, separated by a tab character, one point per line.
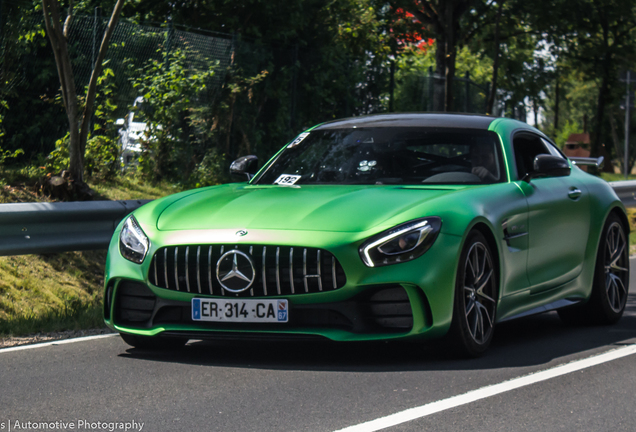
548	166
245	165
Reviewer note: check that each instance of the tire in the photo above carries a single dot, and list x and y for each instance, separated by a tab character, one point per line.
475	300
153	342
611	274
610	285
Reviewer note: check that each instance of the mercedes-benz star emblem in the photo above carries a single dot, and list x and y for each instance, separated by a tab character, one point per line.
235	271
241	233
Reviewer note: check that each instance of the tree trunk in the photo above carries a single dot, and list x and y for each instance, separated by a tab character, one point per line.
439	86
450	26
441	18
77	169
78	127
556	103
596	149
495	64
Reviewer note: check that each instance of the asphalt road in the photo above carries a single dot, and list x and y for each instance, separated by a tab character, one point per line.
326	387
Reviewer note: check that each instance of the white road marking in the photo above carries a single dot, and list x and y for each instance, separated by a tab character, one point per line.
56	342
488	391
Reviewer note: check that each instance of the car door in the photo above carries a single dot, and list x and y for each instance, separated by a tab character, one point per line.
558	217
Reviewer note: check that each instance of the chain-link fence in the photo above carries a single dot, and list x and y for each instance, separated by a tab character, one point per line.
417	93
132	46
258	98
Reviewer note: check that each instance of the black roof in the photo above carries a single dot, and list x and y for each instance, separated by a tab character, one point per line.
442	120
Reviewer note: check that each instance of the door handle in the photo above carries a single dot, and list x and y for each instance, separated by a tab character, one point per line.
574	193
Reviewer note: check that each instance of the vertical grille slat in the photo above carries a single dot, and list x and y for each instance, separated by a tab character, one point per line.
278	270
220	255
252	254
291	270
333	272
318	264
187	268
179	268
305	270
199	269
176	267
165	267
264	270
210	270
156	281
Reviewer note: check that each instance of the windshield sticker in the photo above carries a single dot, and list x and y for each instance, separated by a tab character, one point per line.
287	179
298	139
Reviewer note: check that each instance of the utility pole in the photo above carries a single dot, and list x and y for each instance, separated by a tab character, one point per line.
628	102
627	126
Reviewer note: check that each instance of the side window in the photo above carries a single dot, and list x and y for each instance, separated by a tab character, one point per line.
553	149
526	147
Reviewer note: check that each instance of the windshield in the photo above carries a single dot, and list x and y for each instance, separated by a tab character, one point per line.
388	156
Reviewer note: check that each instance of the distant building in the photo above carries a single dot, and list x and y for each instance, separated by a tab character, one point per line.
578	145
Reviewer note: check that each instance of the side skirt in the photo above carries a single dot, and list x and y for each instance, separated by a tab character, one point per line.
545	308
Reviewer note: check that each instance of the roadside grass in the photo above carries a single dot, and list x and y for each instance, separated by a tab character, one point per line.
57	292
631	216
130	187
609	177
54	292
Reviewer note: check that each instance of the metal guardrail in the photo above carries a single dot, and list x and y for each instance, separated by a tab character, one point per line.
29	228
32	228
626	191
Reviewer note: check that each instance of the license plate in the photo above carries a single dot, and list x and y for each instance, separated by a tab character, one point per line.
250	311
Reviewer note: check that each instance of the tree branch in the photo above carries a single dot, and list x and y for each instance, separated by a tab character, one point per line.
97	70
433	15
69	18
52	30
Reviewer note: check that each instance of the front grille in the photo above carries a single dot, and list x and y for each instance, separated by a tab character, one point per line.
279	270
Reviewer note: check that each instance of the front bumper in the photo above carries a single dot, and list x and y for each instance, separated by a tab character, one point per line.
408	300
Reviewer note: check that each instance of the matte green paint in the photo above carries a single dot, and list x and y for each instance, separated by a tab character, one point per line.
554	261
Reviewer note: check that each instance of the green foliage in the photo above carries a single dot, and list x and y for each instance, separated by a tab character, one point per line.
212	170
101	159
413	91
6	154
105	103
169	89
28	81
564	133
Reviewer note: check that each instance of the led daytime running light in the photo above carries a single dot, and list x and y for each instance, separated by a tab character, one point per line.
369	261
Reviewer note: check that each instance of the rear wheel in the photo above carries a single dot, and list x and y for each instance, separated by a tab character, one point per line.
611	279
153	342
475	303
611	276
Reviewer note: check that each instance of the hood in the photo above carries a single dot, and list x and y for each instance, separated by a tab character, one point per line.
312	208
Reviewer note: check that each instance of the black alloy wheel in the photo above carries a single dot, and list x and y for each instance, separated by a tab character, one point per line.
611	276
476	294
611	279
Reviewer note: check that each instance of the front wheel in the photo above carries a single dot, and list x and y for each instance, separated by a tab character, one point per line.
475	302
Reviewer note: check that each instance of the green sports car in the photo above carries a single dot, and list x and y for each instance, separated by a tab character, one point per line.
397	226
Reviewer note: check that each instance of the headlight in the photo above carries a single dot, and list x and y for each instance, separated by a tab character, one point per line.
403	243
133	243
